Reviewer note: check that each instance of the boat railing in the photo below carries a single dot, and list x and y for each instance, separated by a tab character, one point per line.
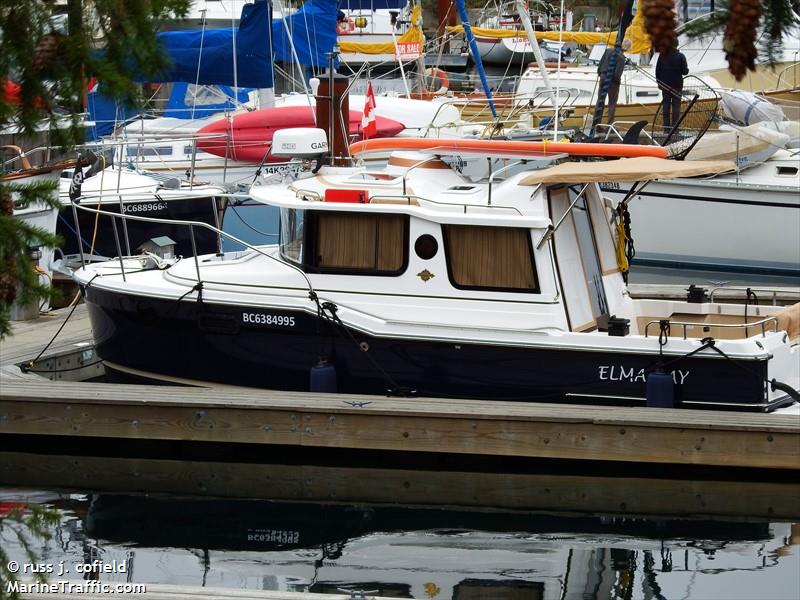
745	292
794	67
706	326
522	103
409	200
192	226
45	151
614	129
122	148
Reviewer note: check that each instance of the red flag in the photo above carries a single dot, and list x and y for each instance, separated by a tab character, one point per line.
368	125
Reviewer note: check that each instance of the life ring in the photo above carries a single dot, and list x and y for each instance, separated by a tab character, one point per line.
345	26
444	82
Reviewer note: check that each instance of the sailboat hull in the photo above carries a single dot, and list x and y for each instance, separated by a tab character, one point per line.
98	237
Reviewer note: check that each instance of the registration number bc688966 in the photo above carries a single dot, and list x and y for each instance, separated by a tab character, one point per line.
267	319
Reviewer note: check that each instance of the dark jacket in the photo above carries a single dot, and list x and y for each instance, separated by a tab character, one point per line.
618	68
670	69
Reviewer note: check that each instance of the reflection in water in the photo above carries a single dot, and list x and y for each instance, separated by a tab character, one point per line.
415	550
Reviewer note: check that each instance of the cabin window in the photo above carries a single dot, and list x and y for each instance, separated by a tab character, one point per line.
358	243
490	258
291	234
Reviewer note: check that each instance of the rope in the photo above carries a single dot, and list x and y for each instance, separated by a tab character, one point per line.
711	343
328	311
29	366
625	250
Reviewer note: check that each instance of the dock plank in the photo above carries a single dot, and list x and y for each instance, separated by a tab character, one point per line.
401	424
29	338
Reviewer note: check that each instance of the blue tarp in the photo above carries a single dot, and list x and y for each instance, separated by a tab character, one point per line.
313	30
187	102
212	50
105	113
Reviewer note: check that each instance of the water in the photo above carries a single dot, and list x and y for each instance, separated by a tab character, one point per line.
413	533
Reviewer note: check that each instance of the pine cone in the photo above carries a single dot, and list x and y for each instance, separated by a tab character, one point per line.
740	36
660	20
8	282
46	52
6	204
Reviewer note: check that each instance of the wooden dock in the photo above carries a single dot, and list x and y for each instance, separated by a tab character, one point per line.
33	406
242	415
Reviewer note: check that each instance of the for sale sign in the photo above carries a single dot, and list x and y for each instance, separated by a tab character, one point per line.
408	50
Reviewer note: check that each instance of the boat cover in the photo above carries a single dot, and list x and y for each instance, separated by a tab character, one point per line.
313	34
641	168
640	41
206	56
412	36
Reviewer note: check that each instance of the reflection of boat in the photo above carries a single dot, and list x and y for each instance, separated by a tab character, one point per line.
412	532
263	525
396	549
442	285
463	484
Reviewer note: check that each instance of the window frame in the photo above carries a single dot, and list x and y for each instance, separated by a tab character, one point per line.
537	287
311	225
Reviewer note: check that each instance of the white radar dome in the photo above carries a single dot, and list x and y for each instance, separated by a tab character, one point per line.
300	142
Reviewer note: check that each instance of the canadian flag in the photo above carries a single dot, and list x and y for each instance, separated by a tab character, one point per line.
368	125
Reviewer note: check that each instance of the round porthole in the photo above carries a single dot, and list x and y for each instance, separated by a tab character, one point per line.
426	246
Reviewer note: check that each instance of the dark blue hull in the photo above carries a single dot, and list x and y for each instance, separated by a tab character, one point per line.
277	349
103	242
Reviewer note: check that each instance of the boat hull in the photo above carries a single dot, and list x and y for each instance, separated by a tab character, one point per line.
725	226
277	348
103	243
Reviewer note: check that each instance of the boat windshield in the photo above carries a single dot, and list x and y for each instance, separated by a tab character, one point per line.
291	240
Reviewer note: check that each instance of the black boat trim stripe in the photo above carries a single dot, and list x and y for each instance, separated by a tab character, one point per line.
706	199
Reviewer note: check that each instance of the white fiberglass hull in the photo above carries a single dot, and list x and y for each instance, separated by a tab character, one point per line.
516	50
708	224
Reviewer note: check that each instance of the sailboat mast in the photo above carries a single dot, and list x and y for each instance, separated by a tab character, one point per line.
537	52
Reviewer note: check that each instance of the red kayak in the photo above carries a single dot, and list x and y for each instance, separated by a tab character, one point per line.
251	133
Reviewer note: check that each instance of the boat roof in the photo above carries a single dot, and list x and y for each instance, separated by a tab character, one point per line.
641	168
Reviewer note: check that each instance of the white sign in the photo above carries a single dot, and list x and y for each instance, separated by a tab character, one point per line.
408	50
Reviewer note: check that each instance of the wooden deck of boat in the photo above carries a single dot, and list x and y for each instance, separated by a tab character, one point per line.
33	406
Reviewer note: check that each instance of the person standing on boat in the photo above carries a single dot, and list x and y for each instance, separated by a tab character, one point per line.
670	70
616	76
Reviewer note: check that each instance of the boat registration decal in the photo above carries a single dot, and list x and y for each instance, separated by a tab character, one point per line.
268	319
144	207
281	536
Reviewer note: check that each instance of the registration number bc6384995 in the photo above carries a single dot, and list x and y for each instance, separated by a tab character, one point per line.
268	319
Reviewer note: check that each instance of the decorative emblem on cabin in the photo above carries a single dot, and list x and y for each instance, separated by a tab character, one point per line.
425	275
